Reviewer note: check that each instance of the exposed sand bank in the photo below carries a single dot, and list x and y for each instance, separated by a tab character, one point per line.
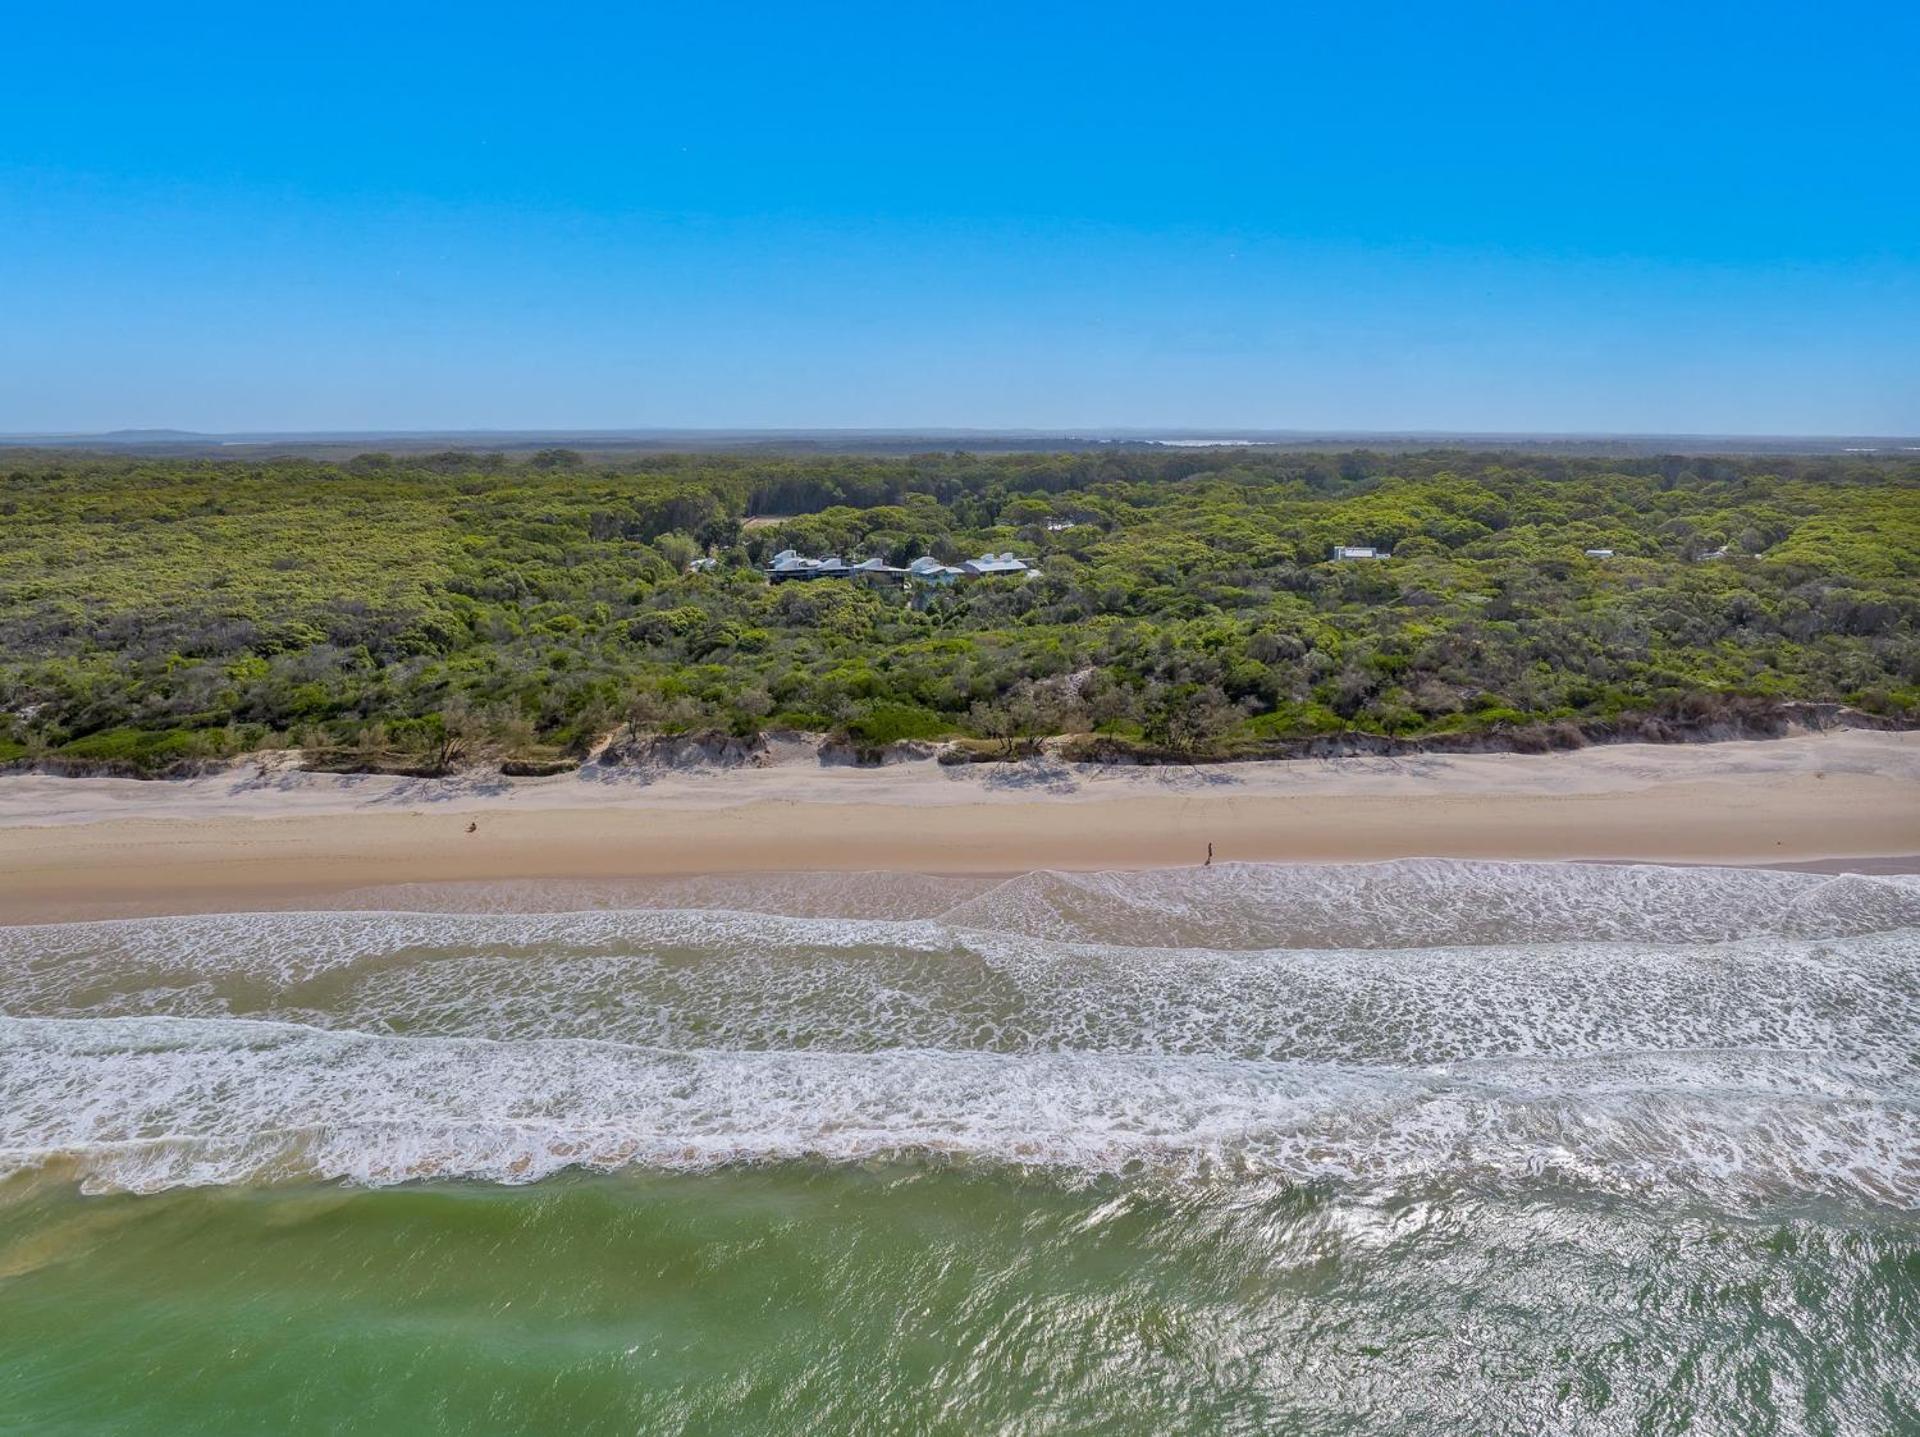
79	848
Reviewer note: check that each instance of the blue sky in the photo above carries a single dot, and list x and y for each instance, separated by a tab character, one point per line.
1678	218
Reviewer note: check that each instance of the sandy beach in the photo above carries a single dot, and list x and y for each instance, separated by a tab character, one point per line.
257	837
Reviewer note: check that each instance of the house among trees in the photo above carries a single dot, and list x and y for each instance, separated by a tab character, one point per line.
790	564
1357	551
988	565
929	570
1599	553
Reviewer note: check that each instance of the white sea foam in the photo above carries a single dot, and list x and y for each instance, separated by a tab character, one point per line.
798	895
754	985
1437	902
1709	1030
143	1104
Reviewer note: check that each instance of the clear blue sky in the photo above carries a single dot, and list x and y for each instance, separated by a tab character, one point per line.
1661	217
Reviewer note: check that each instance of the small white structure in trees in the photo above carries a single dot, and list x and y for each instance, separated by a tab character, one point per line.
791	564
929	570
988	565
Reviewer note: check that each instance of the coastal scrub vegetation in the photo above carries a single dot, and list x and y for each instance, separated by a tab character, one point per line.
424	611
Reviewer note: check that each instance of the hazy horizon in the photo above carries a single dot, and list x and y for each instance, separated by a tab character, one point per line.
338	443
1229	433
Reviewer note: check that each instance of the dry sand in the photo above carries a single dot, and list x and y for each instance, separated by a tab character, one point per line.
255	837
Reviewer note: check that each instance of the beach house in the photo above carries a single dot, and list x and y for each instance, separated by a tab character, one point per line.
791	564
928	570
990	565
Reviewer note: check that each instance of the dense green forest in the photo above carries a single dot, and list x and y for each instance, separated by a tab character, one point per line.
442	608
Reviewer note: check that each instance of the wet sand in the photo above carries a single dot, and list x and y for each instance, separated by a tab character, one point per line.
252	839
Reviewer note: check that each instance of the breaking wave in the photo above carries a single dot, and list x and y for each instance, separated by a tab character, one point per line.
1729	1033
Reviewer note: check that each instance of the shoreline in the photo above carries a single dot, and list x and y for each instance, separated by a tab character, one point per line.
75	849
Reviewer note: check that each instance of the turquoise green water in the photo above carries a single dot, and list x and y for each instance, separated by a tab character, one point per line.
907	1299
1415	1148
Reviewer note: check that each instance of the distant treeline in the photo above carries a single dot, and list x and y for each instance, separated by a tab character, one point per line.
425	610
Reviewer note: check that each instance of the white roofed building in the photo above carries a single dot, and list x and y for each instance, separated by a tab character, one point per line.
791	564
988	565
878	568
929	570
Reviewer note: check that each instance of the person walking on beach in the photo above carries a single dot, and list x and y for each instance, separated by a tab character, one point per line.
1209	862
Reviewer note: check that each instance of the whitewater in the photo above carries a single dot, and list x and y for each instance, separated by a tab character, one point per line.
1417	1147
1731	1034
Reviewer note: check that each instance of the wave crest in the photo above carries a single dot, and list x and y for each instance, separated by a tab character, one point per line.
1709	1030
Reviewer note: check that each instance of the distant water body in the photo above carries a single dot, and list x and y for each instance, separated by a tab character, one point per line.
1207	443
1410	1147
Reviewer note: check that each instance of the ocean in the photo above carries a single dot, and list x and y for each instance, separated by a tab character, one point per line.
1414	1147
